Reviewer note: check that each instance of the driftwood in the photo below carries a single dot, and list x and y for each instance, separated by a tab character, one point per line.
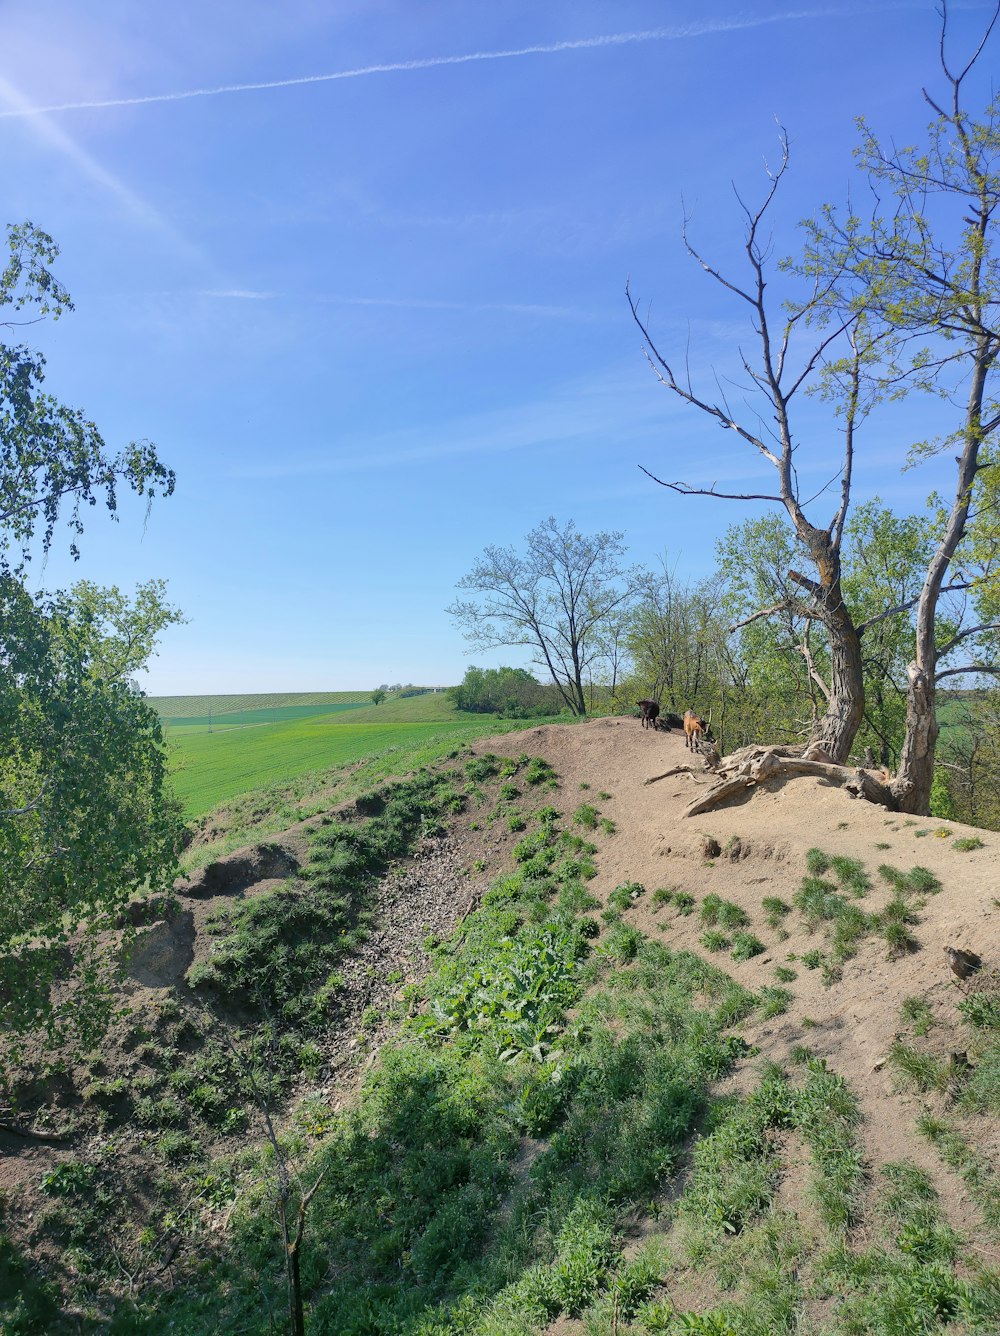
754	765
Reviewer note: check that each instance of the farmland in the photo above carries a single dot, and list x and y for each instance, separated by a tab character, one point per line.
252	746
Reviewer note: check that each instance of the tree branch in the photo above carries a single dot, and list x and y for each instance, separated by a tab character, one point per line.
990	668
686	490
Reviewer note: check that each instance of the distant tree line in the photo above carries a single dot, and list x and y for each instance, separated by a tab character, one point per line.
512	693
700	645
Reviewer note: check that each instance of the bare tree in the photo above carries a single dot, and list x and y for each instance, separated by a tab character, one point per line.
554	600
792	355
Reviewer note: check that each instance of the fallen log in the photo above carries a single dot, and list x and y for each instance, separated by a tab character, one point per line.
754	765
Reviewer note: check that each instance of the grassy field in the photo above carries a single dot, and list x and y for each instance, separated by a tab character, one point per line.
173	709
212	768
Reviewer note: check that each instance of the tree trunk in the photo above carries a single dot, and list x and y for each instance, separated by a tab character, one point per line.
836	730
912	785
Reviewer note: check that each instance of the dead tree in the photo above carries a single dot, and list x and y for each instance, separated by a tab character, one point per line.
840	348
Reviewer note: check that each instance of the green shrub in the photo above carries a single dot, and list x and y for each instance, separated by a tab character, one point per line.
587	816
72	1178
539	771
981	1010
714	940
917	1010
923	1070
851	875
817	862
625	895
818	901
481	768
775	1002
715	910
967	843
775	908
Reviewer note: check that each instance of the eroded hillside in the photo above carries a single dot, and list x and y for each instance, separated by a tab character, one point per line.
578	1063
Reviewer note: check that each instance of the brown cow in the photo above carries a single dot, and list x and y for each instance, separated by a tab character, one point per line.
650	712
695	729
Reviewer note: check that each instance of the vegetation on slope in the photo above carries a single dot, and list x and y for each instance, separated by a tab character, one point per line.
545	1093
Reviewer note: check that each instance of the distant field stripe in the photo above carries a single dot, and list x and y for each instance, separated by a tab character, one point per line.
266	715
188	707
210	768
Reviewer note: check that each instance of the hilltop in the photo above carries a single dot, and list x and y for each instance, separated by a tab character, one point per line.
744	1057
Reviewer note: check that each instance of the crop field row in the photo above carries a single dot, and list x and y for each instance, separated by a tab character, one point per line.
198	707
274	714
211	768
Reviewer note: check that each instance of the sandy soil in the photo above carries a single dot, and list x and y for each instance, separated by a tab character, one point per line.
765	836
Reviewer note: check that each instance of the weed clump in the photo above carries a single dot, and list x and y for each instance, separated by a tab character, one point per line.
716	911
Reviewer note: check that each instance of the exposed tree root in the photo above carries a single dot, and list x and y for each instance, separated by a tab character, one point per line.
753	765
677	770
13	1130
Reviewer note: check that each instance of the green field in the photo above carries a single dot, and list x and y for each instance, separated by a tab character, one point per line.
211	768
194	709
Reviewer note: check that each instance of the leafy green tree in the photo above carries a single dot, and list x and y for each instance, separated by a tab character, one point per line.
925	269
886	560
511	692
553	600
86	818
673	638
378	696
53	461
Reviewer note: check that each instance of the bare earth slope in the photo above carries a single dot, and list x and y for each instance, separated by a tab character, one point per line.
764	839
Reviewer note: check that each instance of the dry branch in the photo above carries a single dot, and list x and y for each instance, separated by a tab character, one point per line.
754	765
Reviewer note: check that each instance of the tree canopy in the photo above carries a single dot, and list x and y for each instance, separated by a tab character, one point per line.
86	817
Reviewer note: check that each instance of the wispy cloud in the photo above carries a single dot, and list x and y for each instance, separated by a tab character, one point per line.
601	412
406	303
238	294
680	32
54	137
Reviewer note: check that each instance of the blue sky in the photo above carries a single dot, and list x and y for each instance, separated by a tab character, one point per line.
372	309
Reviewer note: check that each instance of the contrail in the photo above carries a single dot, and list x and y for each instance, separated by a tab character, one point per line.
432	62
56	138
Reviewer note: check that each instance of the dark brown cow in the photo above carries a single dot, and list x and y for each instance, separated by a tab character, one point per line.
650	712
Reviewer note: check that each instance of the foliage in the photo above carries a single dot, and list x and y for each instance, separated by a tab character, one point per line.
89	820
50	454
675	636
274	951
511	693
86	818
